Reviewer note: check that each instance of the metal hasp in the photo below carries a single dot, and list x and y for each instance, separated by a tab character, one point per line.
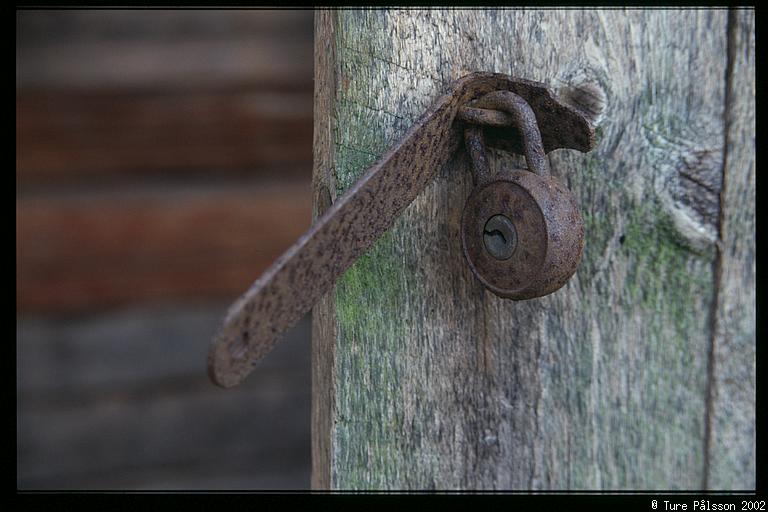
310	268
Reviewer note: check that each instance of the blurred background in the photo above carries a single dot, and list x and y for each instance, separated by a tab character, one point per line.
163	161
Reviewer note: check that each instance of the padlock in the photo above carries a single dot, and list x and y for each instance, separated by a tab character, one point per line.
522	232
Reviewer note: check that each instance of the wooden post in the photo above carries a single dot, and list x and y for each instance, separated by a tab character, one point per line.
640	372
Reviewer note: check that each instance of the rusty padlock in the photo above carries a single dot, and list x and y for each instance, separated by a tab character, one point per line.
522	232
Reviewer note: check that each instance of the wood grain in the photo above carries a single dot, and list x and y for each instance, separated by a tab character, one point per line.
122	93
168	48
131	126
91	249
323	313
120	400
163	160
732	438
433	382
69	137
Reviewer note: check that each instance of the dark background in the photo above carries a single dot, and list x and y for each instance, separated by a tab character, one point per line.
163	161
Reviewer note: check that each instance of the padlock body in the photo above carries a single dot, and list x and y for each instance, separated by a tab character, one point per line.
548	235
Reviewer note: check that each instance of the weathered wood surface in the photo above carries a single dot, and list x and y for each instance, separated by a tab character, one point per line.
162	156
159	154
86	49
98	248
105	93
101	135
121	401
731	448
425	380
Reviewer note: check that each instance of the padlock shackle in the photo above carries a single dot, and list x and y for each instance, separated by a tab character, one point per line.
525	122
474	141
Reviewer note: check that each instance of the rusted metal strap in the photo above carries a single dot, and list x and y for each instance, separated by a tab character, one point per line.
309	269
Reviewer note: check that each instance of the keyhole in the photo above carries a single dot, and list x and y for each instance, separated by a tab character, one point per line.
496	240
500	237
